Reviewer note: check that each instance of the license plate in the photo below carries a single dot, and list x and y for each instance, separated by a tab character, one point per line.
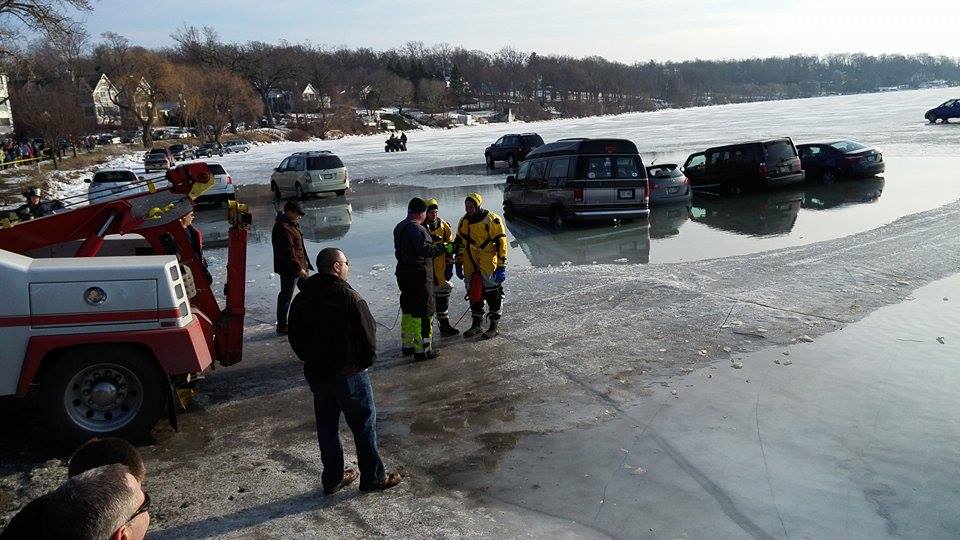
672	190
328	177
625	194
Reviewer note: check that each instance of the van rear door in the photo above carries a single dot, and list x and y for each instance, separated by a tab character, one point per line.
781	159
610	181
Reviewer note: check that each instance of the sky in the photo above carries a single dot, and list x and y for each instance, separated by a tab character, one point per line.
622	30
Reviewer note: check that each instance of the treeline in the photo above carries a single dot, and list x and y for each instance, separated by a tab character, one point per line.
216	84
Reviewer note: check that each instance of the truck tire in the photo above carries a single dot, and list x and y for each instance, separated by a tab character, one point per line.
277	195
301	196
557	219
512	159
490	163
104	391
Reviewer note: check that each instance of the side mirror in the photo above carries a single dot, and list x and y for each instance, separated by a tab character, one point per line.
511	179
278	169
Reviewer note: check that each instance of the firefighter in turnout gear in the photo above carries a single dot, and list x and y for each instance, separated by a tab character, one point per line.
442	234
482	263
415	251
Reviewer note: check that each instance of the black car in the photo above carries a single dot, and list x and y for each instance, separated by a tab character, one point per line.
944	112
512	148
833	160
182	152
210	150
736	168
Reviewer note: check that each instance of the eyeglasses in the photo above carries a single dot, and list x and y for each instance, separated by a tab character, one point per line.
145	507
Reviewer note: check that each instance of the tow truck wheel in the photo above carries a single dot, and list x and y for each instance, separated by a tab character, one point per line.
108	391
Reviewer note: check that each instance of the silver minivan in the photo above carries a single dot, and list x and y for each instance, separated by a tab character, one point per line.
580	180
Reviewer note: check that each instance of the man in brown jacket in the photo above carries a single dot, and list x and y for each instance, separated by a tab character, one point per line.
290	259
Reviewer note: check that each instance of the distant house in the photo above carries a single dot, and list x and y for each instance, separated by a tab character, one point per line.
6	114
281	101
105	110
313	100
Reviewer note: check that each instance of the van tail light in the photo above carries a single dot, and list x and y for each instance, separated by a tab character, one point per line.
763	169
578	195
229	179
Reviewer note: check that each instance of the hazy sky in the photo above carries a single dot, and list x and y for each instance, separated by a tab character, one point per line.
622	30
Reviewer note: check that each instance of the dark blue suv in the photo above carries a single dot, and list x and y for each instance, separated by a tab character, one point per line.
946	111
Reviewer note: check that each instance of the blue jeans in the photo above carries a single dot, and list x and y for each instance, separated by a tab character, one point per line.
353	396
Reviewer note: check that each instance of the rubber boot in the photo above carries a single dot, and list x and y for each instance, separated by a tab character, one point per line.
445	329
475	329
492	332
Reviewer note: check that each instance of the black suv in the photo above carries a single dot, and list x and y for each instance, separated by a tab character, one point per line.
512	148
740	167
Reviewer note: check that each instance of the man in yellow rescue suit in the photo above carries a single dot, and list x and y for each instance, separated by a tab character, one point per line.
442	234
482	263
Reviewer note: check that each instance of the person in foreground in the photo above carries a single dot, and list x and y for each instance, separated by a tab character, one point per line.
92	454
103	503
333	332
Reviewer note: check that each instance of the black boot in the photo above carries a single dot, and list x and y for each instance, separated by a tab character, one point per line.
445	329
475	329
492	332
429	354
407	351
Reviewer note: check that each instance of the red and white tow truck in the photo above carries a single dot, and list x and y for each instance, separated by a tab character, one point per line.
107	310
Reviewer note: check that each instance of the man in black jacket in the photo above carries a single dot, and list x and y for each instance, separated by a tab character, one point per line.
333	333
415	250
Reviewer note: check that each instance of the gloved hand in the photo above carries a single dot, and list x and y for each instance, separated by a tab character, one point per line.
448	273
500	275
459	268
448	247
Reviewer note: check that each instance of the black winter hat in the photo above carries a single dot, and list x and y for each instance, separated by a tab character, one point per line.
416	205
294	206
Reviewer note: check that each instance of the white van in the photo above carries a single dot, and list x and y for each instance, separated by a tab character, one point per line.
310	173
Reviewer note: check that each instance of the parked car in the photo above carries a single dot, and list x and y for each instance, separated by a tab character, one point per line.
512	148
831	161
947	110
739	167
235	146
109	184
182	152
108	138
157	159
310	173
668	184
210	150
579	180
222	190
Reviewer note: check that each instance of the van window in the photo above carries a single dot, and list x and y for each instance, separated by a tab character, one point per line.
779	151
538	173
216	168
605	167
627	167
558	171
283	164
295	164
696	161
523	171
599	167
320	163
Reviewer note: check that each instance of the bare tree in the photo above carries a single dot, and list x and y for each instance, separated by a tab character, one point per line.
53	111
44	16
397	90
141	80
223	98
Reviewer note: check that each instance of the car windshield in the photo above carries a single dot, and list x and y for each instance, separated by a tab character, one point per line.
216	168
320	163
779	151
848	146
113	176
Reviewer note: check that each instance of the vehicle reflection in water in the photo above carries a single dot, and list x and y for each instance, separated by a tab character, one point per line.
665	221
822	197
471	170
624	244
755	214
327	219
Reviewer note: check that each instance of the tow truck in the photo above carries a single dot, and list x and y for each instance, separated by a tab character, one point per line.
109	313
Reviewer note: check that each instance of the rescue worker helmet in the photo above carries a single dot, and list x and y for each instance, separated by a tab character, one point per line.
476	198
432	204
32	192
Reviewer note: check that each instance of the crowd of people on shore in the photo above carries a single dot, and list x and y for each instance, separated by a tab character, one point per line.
13	151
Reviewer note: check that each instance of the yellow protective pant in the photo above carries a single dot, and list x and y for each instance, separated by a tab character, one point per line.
416	333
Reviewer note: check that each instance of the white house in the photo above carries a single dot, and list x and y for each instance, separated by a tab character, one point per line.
105	109
6	115
312	97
